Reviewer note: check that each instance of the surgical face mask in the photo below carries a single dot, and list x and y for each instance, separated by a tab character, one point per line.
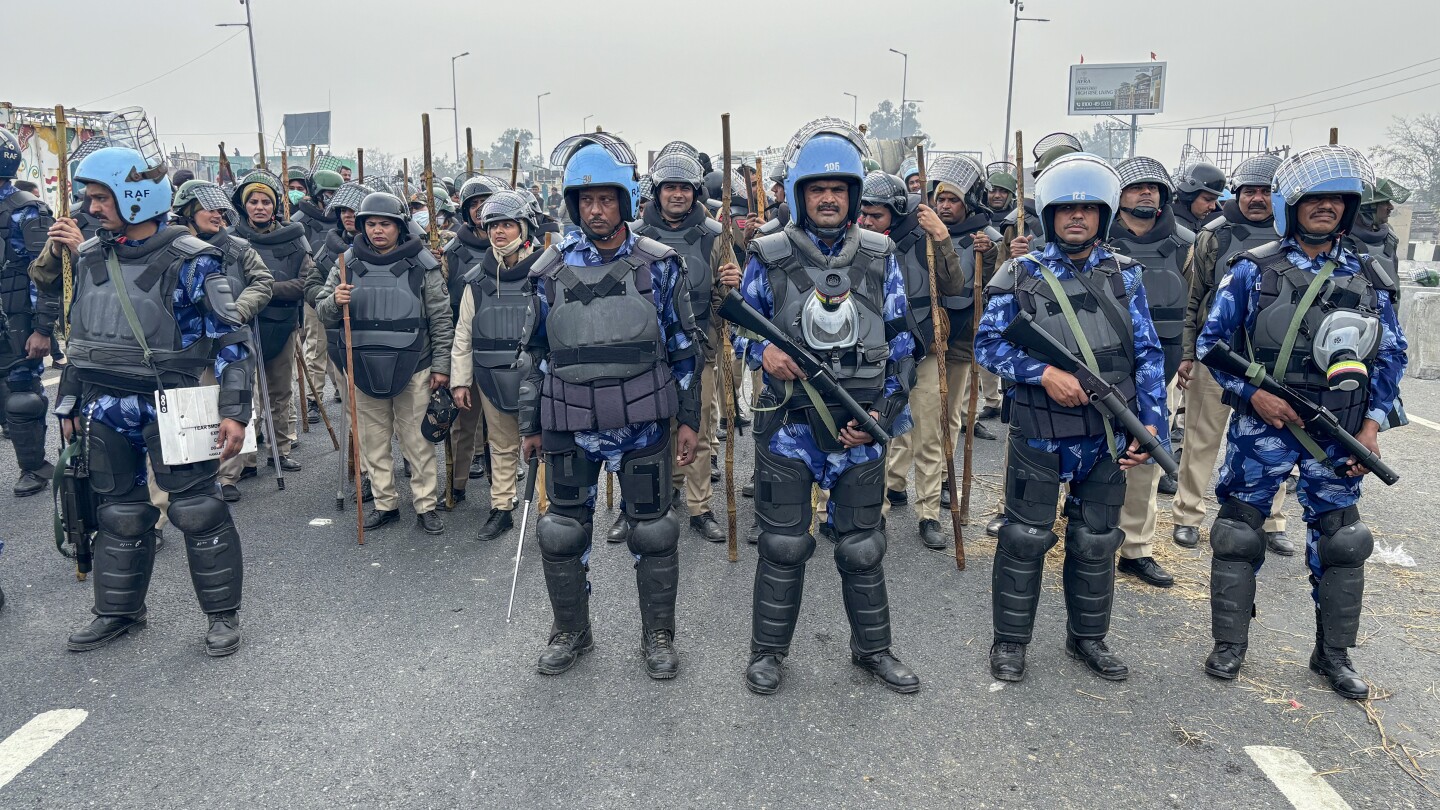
1344	341
295	196
829	319
422	218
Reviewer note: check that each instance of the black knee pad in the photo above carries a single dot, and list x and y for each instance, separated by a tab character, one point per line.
786	549
113	462
561	537
180	477
1237	535
1025	542
23	406
1101	496
655	537
856	497
1344	542
199	515
645	480
127	519
1090	544
782	493
1032	484
860	551
569	473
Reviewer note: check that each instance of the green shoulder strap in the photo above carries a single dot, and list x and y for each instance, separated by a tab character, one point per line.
1085	350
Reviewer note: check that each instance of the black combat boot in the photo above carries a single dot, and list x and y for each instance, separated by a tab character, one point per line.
224	636
1007	661
657	579
1334	664
570	599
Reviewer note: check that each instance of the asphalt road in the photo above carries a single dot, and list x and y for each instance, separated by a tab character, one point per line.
386	676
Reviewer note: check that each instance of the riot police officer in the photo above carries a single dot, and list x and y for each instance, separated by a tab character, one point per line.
886	207
1145	231
795	446
679	220
1198	194
401	331
286	251
1000	197
29	322
1091	300
153	306
1246	222
1312	313
619	346
1372	233
493	305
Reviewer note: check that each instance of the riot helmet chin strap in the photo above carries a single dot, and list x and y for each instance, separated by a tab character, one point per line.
1142	211
595	236
1070	250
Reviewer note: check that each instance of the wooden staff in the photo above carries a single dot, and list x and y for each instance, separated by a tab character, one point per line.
226	174
360	164
354	415
722	358
941	320
1019	187
285	186
405	177
312	159
1334	136
971	408
469	154
315	396
300	379
432	231
264	164
515	165
67	274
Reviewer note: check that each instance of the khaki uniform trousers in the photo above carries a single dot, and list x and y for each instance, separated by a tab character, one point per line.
502	429
922	446
280	378
400	416
317	360
466	435
1206	417
695	479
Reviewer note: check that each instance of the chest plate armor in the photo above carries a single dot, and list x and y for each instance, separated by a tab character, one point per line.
608	362
693	246
334	246
1033	412
910	252
102	345
462	254
283	251
1166	289
14	267
502	304
1383	245
387	319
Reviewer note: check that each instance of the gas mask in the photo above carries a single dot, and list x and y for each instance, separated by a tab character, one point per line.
829	319
1344	341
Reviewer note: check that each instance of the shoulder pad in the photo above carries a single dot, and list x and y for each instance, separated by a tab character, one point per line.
298	217
1012	217
427	260
1379	276
453	244
192	246
712	226
21	199
89	244
1215	224
292	230
1184	235
770	226
548	262
1003	281
1259	255
652	251
772	248
640	227
1122	261
876	243
238	240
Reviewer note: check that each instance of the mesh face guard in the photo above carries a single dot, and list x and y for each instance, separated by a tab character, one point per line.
618	148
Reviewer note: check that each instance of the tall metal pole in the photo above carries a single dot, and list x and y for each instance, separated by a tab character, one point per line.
1134	127
455	100
254	72
540	130
1010	93
904	87
855	107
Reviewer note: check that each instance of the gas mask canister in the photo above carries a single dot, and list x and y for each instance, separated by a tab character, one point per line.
829	320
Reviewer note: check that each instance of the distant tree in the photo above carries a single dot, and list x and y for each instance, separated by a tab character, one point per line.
501	151
1108	140
1412	157
885	121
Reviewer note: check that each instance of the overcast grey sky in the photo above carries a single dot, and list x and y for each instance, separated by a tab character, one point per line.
657	71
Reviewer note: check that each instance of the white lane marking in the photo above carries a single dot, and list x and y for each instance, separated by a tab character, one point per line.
1295	778
1420	420
34	738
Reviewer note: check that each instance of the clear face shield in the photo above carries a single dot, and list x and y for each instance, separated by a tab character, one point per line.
829	319
1344	341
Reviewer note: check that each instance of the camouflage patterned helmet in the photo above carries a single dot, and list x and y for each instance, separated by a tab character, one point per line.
325	180
348	196
1386	190
205	193
960	175
646	188
298	173
678	168
679	148
1146	170
264	177
509	205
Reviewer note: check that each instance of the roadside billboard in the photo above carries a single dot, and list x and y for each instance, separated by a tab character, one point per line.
1136	88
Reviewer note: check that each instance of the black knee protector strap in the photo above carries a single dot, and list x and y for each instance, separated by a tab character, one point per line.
112	461
561	536
645	480
569	473
1237	534
860	551
782	493
1032	484
856	497
655	537
179	477
1101	495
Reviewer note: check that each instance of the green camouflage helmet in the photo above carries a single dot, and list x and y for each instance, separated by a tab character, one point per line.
1051	155
325	180
871	165
1386	190
1003	180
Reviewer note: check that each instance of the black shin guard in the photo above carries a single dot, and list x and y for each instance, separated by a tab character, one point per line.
25	413
1344	545
657	579
1237	543
124	550
563	540
212	547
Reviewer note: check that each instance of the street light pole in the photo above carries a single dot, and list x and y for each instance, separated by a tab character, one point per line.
540	131
855	115
904	84
254	71
585	122
455	101
1015	20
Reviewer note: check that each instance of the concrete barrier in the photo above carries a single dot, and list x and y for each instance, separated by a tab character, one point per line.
1420	319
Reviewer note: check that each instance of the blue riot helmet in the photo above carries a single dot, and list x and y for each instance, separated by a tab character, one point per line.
1077	178
598	160
1330	169
825	148
9	154
141	193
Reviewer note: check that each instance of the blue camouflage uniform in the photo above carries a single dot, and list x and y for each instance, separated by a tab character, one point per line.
795	440
1258	457
1005	359
24	370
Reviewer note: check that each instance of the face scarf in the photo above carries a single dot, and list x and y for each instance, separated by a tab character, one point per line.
514	246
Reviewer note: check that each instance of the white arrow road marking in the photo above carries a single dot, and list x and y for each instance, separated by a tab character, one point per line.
34	739
1295	778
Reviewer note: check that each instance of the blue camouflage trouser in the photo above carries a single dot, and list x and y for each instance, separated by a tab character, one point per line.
795	441
1258	458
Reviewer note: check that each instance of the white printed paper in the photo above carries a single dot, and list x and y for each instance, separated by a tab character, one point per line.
190	425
